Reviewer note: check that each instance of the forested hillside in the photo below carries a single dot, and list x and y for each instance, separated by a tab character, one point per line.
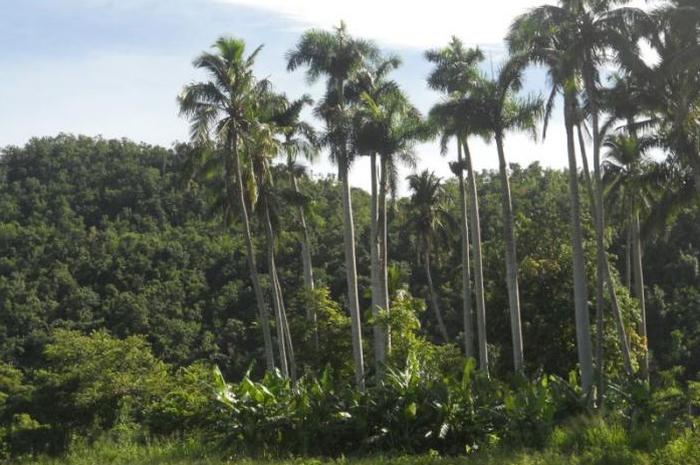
100	234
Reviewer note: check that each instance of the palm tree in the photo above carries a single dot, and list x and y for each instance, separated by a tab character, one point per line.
586	32
339	57
498	110
368	88
594	31
262	147
455	74
226	107
617	314
632	178
538	36
299	138
429	218
672	82
387	126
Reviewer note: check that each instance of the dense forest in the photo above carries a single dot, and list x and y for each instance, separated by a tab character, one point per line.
214	289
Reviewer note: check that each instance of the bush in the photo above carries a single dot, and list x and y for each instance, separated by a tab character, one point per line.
682	450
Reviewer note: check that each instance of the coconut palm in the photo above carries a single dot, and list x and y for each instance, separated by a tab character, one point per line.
428	220
225	108
454	75
339	57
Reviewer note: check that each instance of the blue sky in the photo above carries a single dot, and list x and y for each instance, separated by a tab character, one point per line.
114	67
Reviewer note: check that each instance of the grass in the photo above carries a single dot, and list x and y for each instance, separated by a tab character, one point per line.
584	442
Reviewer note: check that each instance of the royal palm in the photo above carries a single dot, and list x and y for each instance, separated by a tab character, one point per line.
339	57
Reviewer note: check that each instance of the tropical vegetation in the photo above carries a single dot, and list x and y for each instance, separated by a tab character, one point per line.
212	301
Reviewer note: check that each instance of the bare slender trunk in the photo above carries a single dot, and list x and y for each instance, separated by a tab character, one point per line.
600	296
511	260
467	314
639	294
599	208
607	275
583	328
628	257
305	245
478	261
602	264
307	264
349	246
250	253
287	335
434	299
377	300
277	302
351	276
383	250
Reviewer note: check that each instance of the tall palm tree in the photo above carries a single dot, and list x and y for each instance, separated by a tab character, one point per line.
551	48
586	31
339	57
262	148
429	218
594	31
494	104
387	126
299	138
455	74
368	88
632	179
226	108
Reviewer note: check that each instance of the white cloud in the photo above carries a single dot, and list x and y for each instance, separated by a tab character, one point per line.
405	23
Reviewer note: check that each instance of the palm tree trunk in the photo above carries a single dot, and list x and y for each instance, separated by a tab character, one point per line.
276	294
583	328
599	298
250	253
598	218
383	250
307	264
602	264
478	262
349	246
639	294
378	330
628	257
351	275
287	334
433	298
607	276
467	314
305	245
511	260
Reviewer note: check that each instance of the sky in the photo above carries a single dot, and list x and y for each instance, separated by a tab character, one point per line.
114	67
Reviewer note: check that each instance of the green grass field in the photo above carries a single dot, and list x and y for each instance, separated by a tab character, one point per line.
605	449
